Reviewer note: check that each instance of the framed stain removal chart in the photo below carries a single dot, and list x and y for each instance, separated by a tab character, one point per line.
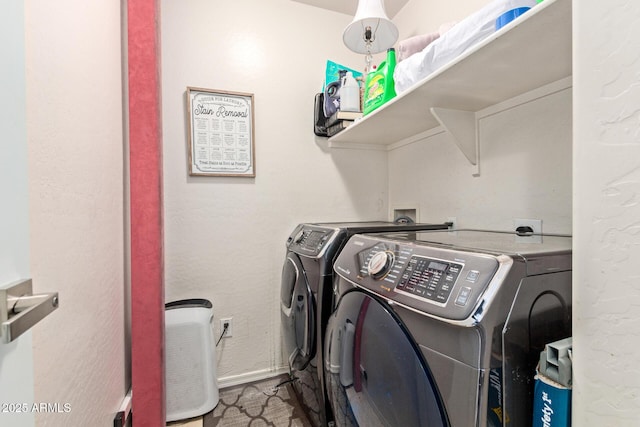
221	133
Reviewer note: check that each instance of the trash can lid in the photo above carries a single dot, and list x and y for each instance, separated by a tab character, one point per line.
193	302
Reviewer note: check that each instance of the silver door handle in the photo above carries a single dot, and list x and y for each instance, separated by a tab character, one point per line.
20	309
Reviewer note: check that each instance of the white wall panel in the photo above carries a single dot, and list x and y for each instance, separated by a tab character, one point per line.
225	237
607	213
75	140
525	170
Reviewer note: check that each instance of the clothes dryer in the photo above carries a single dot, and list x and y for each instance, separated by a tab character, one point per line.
307	301
444	328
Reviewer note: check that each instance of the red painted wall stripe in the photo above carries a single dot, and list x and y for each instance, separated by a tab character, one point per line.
147	287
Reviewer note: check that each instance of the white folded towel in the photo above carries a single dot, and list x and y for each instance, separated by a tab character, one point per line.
408	47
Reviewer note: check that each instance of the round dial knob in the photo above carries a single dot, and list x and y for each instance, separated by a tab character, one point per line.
380	264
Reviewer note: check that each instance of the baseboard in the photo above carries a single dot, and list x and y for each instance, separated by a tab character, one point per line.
250	377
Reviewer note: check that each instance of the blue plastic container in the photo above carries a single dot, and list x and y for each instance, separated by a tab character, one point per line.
509	16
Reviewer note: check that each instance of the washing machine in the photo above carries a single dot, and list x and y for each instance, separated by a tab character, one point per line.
444	328
307	301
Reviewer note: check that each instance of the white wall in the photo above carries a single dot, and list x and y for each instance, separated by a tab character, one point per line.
425	17
525	171
607	213
225	237
75	139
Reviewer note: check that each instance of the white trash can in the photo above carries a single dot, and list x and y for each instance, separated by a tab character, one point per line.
190	359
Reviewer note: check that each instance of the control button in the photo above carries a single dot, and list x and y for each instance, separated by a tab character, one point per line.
419	292
463	296
299	237
380	264
442	296
473	275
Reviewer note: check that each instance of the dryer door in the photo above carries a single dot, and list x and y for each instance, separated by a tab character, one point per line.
297	314
375	374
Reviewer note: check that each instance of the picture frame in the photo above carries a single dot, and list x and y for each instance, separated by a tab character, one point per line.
221	134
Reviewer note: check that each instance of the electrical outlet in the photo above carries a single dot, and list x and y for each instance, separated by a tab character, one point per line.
227	321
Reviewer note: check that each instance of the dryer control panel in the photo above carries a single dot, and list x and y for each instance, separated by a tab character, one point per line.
310	241
435	280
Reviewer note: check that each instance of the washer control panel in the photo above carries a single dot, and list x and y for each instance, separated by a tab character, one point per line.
429	278
435	280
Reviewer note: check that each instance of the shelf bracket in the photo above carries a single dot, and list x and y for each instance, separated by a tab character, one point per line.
462	127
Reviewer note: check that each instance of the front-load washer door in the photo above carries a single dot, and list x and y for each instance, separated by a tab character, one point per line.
297	313
375	374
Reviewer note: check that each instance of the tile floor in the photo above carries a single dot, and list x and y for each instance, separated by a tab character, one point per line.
270	402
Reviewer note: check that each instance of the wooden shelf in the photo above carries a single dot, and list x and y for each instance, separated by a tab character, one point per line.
530	52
